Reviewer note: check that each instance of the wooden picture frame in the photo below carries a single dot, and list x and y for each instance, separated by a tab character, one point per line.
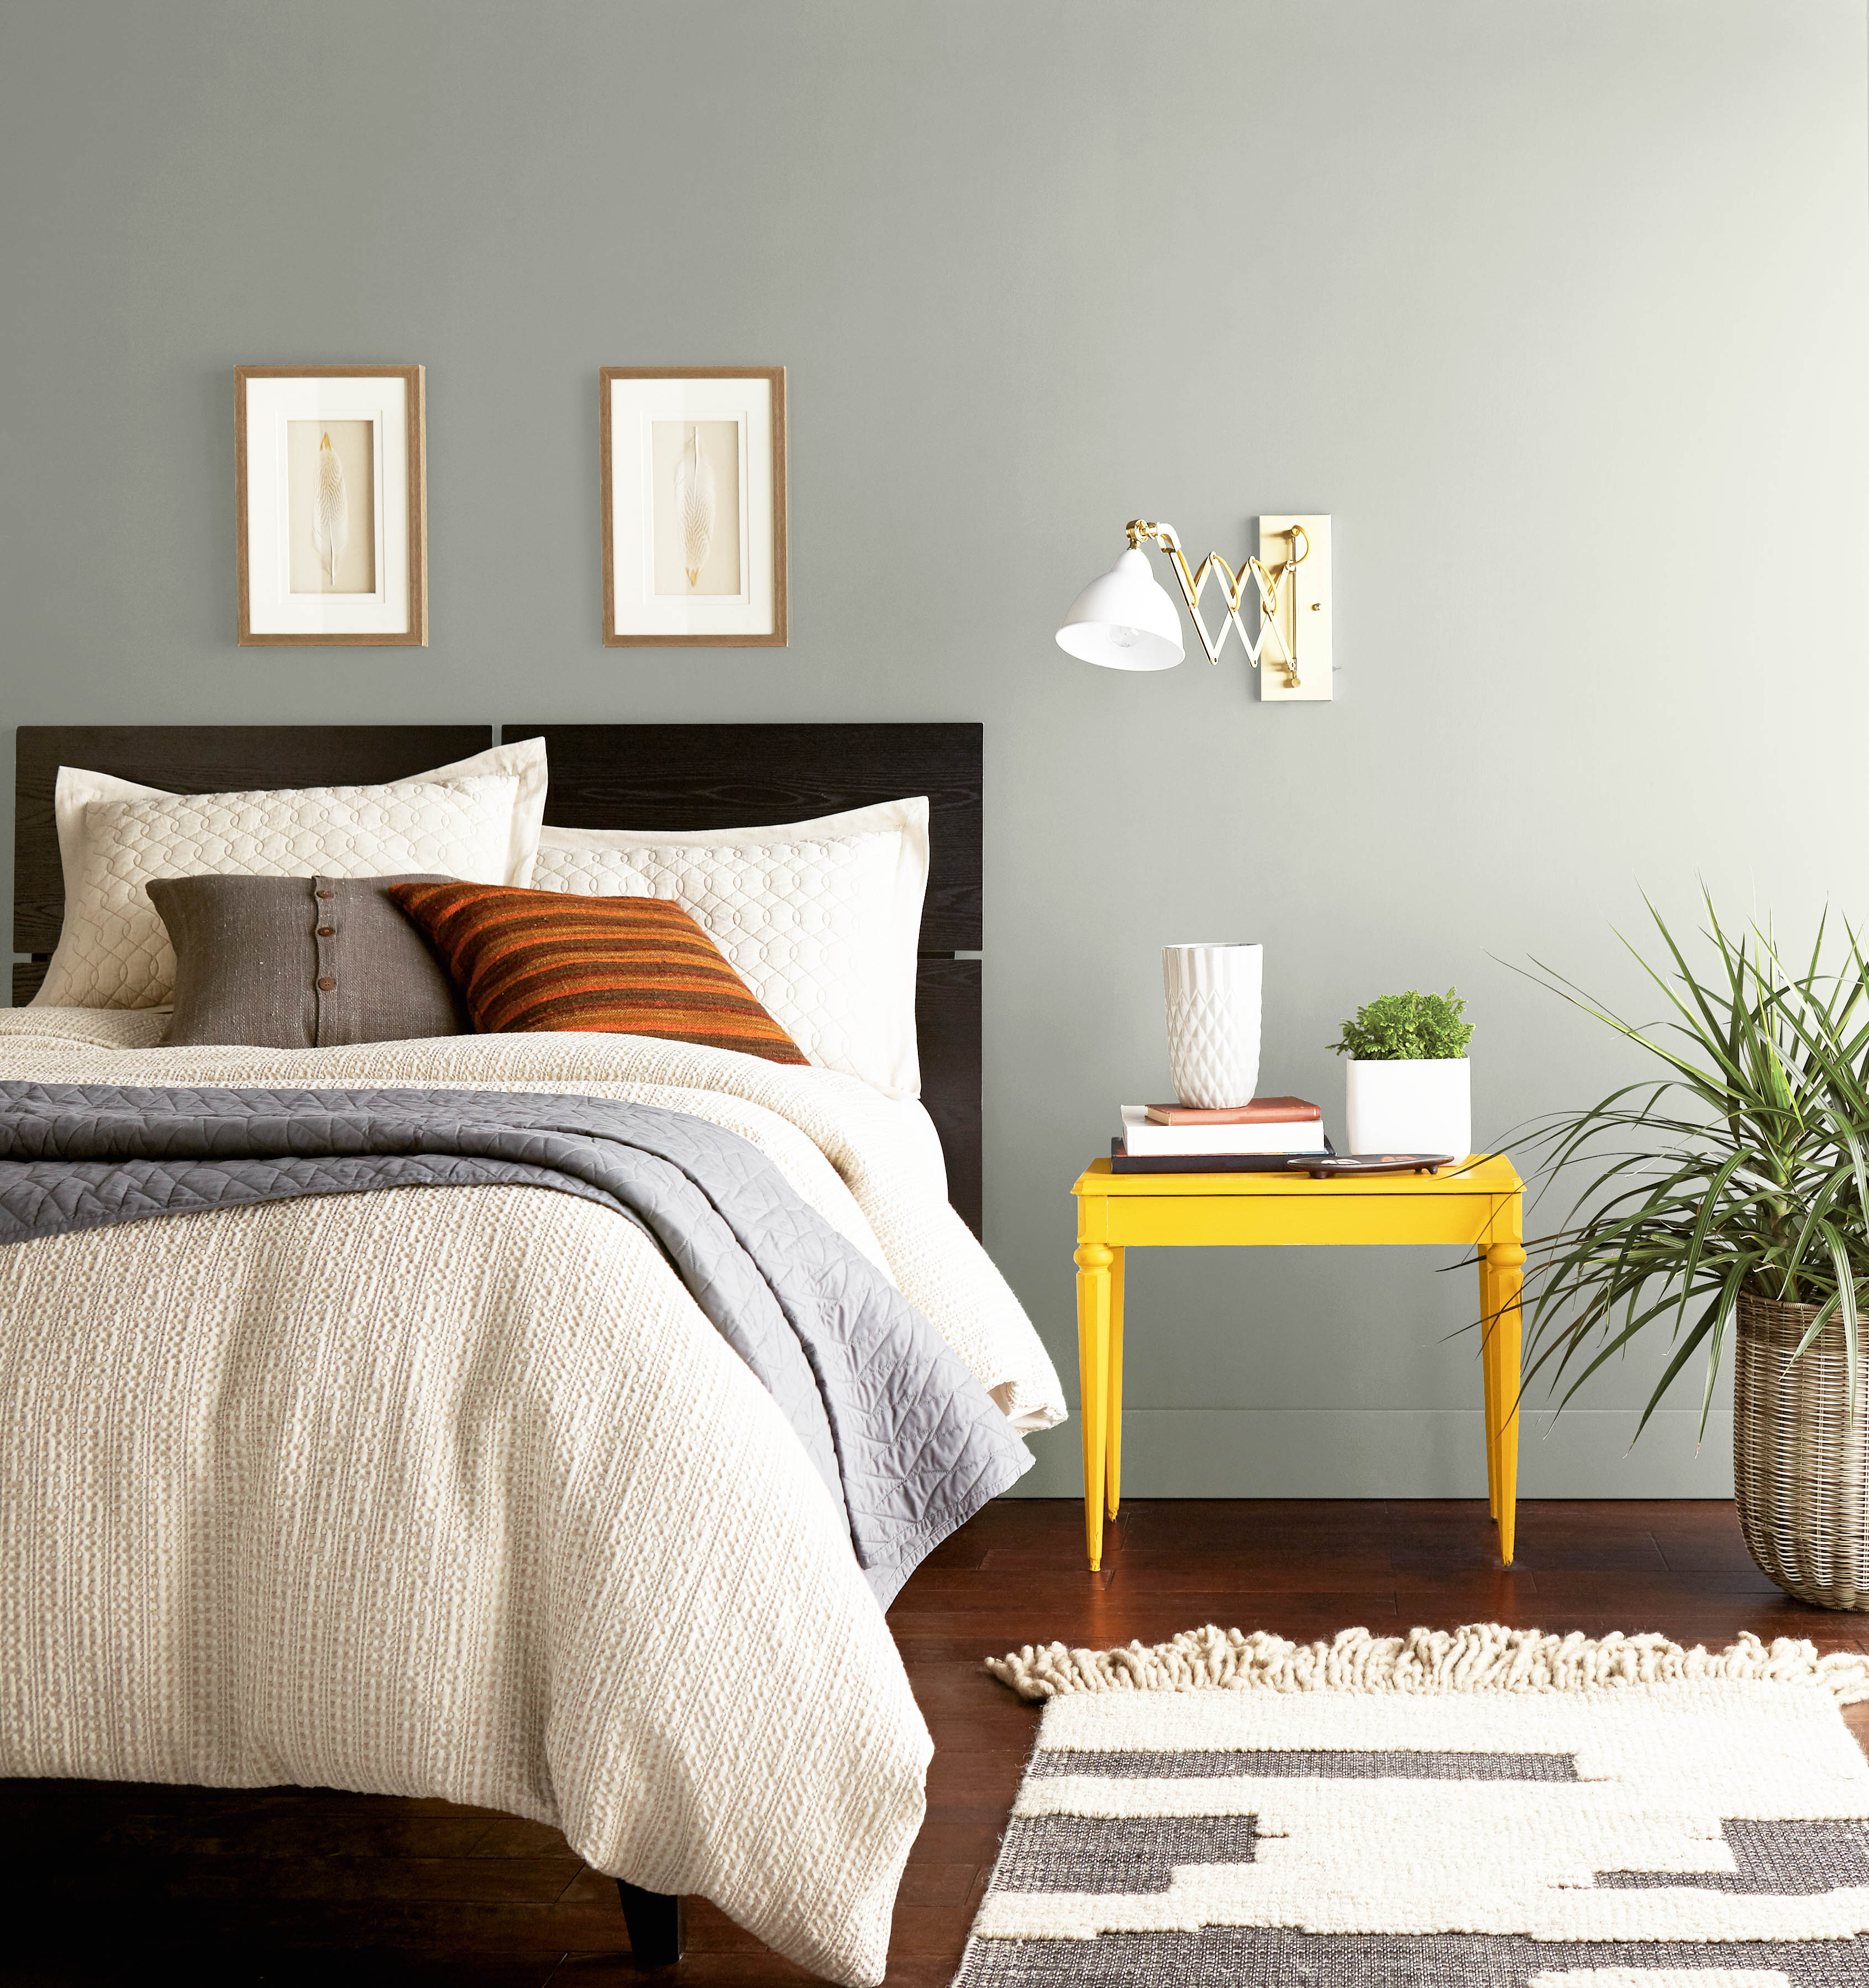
331	506
693	468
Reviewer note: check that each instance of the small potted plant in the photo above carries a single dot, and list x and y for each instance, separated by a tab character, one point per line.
1408	1088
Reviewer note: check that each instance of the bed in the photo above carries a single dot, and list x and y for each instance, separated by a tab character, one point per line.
453	1490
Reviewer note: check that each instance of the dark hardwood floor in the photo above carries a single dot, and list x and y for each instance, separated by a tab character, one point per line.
280	1886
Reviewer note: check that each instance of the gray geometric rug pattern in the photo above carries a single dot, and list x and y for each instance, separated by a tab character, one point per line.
1709	1834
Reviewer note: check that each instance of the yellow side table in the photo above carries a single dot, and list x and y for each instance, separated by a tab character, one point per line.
1478	1204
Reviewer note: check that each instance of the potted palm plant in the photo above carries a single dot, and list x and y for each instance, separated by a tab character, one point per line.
1726	1197
1408	1087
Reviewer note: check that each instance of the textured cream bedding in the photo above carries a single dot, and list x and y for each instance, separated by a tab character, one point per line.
453	1491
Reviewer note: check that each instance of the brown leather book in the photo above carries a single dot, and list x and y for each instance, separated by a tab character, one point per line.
1260	1111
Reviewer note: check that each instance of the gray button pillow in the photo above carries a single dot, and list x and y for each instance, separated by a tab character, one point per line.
301	962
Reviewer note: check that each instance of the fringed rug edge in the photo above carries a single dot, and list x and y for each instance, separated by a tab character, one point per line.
1478	1657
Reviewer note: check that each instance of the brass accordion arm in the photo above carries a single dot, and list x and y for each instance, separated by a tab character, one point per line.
1232	584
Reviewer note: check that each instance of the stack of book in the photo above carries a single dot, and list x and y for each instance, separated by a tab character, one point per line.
1178	1139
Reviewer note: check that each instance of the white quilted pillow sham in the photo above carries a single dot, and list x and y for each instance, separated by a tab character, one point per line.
820	918
523	759
113	951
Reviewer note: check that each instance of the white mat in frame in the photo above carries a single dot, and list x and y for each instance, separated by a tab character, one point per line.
366	426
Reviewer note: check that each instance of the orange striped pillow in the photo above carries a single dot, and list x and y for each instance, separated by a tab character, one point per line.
625	966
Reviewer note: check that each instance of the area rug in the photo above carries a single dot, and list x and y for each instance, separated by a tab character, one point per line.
1479	1808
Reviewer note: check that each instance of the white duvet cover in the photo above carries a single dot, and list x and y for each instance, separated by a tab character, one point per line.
453	1491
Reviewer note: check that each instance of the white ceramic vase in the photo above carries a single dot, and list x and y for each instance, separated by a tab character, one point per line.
1213	997
1419	1105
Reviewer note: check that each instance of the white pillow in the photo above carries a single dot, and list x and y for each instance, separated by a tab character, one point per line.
113	951
821	918
523	759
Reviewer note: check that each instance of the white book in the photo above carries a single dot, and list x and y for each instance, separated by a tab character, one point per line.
1275	1135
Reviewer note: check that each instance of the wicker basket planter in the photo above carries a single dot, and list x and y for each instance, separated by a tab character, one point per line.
1800	1464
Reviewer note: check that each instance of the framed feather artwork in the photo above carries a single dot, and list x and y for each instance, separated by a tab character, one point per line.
694	472
330	506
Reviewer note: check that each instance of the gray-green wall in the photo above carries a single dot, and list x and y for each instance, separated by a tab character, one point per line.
1559	308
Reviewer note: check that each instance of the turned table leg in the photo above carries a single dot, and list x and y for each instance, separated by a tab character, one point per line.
1094	1260
1489	1380
1505	1266
1113	1408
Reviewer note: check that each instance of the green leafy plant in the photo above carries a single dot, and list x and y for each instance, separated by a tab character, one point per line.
1398	1028
1739	1168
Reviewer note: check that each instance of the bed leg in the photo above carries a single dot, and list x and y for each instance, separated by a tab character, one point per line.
658	1922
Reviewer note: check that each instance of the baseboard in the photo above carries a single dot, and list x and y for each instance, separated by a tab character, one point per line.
1393	1453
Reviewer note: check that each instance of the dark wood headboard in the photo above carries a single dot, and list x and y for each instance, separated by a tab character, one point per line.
649	776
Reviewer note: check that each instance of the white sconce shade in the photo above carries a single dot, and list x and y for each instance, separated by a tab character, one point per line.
1125	621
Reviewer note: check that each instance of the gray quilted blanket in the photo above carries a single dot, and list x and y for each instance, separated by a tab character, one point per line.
909	1444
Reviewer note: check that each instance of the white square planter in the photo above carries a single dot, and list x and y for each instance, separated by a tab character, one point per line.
1421	1106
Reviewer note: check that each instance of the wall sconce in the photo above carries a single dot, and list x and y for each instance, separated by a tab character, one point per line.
1126	620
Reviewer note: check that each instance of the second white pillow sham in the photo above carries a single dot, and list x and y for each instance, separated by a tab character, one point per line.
820	918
